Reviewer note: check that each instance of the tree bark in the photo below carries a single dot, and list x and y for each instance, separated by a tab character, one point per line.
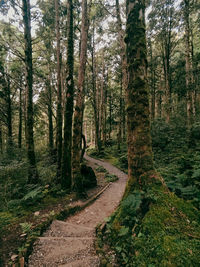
1	137
32	171
141	171
124	70
20	119
67	142
9	115
59	94
78	113
110	115
119	135
188	68
95	96
50	115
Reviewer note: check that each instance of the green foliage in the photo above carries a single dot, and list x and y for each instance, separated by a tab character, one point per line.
26	227
111	178
167	235
34	196
101	169
5	219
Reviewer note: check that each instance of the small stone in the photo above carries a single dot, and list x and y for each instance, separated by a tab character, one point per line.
37	213
23	235
14	257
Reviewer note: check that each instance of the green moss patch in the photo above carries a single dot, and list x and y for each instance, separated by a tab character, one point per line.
168	233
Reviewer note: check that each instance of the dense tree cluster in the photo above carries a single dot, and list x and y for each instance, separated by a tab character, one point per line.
77	74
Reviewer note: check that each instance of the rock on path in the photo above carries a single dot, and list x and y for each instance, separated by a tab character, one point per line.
70	243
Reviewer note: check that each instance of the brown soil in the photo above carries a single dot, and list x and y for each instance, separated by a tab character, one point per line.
70	243
11	239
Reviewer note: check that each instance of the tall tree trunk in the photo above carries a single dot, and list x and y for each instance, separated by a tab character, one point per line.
50	114
110	115
1	141
103	103
122	45
152	82
78	114
124	71
119	135
124	118
67	142
188	68
105	119
95	96
9	115
20	118
140	159
59	94
32	171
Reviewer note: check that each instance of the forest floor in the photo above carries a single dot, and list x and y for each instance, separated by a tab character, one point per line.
71	242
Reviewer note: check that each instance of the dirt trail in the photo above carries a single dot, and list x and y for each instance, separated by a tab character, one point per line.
70	243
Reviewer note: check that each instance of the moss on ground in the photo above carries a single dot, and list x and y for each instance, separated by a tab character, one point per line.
168	234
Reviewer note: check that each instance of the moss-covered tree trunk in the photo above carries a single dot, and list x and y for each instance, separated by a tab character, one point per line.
141	171
67	142
32	171
59	94
78	113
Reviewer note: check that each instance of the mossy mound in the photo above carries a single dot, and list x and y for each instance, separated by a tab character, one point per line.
89	179
167	234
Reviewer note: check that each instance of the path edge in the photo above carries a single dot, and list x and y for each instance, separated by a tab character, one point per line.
22	259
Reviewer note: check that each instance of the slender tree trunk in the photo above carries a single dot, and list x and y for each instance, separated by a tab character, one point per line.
9	115
95	97
194	82
20	119
119	135
104	129
59	94
168	88
110	115
124	70
50	115
152	82
105	120
122	45
32	171
188	69
67	142
1	139
124	119
78	114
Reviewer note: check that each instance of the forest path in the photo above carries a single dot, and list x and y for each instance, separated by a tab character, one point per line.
70	243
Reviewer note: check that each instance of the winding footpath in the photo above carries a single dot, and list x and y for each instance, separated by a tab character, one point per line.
70	243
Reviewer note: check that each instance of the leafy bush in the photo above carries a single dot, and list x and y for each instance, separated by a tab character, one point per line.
101	169
33	196
111	178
